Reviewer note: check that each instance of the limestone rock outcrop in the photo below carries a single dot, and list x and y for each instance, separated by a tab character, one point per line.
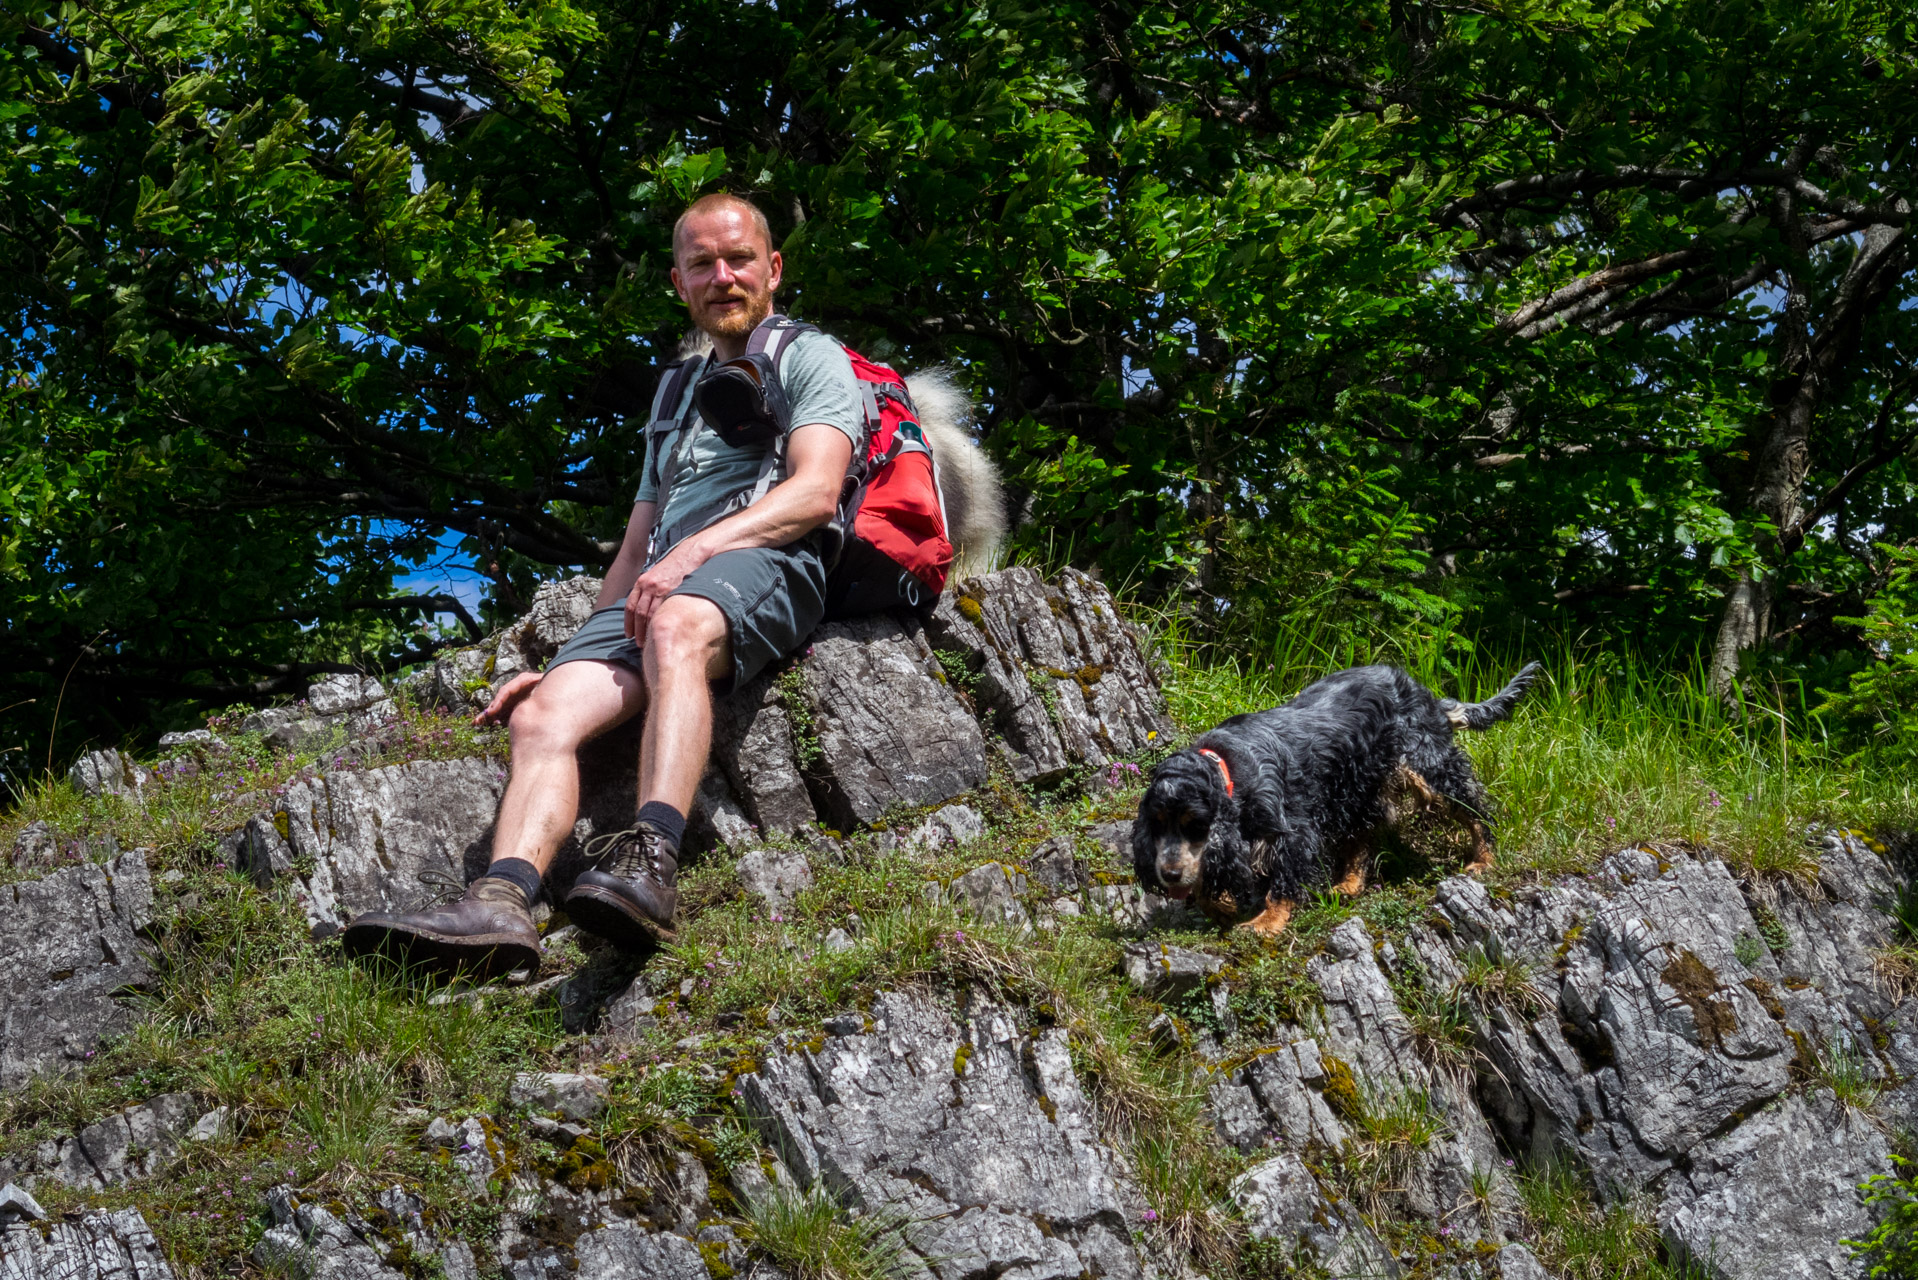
114	1245
69	954
972	1128
1058	674
378	839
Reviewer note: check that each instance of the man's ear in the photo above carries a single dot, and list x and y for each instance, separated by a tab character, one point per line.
679	288
778	272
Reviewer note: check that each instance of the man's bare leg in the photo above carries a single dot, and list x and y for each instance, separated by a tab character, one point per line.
687	647
630	894
489	930
575	703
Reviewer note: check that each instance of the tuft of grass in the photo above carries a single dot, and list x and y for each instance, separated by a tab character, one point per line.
1504	981
1849	1075
1578	1240
1440	1019
810	1236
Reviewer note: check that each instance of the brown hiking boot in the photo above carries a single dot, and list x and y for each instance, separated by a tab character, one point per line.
628	897
485	933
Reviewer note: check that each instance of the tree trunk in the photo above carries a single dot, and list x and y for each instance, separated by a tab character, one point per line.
1810	367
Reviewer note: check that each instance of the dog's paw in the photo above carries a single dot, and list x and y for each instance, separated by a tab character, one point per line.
1271	922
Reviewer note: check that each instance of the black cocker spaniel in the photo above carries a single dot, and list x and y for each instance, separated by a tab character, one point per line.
1267	805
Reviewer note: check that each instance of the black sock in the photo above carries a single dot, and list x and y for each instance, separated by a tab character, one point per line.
665	819
520	872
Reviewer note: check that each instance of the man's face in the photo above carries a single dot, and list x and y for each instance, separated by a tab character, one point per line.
725	272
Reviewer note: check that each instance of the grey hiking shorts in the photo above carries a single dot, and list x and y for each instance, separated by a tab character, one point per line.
772	597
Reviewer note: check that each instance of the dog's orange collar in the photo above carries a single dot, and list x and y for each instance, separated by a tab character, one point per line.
1225	771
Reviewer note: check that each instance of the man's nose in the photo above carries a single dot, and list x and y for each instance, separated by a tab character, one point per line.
723	273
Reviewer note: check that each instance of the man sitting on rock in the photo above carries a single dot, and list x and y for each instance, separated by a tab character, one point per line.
721	591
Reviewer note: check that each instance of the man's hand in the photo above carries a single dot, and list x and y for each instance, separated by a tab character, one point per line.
656	584
510	695
816	458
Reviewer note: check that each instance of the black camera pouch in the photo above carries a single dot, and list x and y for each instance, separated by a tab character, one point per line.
742	401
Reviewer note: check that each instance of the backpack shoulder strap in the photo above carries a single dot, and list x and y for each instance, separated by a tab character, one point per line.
774	335
672	410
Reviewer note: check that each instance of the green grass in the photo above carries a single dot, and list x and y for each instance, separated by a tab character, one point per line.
324	1065
1576	1239
813	1238
1605	752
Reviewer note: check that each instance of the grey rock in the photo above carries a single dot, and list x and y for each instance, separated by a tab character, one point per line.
621	1251
753	744
1773	1197
836	941
317	734
991	893
478	1155
71	945
1362	1027
442	1133
200	738
1278	1096
308	1242
1657	1034
1166	973
116	1245
572	1095
1136	910
1051	864
1115	837
131	1144
975	1146
392	838
109	772
630	1013
558	610
339	694
215	1124
458	680
34	846
259	849
1515	1262
888	734
268	720
17	1206
1061	674
717	815
775	876
561	1133
955	824
1280	1200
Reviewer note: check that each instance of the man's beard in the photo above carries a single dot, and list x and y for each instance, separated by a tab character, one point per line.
738	321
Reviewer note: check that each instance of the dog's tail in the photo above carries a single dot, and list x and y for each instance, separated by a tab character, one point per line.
968	481
1483	715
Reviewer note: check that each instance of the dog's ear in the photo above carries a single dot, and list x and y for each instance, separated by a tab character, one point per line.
1145	855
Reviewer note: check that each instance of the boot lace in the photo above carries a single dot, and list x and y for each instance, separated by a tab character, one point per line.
629	854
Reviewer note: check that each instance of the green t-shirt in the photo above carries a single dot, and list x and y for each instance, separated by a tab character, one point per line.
821	389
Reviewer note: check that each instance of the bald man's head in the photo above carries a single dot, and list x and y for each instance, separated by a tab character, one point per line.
717	202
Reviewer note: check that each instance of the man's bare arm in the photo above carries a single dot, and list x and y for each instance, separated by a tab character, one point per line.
631	558
816	459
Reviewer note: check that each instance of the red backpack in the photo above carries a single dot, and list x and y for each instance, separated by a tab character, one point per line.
888	546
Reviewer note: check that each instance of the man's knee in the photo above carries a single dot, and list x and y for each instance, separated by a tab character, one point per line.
541	725
687	631
560	716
